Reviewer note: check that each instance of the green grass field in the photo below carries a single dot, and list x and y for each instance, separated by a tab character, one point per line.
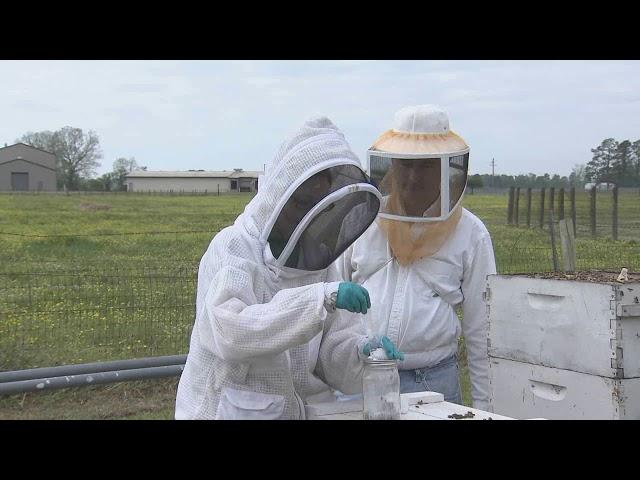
74	289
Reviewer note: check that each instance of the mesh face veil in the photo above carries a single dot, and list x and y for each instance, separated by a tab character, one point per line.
322	217
420	167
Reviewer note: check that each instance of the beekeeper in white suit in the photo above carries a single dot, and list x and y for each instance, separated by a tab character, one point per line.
265	330
425	255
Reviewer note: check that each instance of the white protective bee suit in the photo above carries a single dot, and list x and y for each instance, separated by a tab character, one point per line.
265	337
419	305
414	298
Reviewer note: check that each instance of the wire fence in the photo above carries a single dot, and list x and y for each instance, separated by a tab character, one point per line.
589	256
112	291
56	318
85	314
596	214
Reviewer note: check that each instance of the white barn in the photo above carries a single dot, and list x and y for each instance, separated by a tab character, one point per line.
226	181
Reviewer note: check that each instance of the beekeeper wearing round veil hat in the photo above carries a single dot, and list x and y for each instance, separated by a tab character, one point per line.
425	255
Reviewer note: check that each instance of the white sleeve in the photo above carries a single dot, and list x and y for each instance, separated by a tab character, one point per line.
340	362
242	327
479	265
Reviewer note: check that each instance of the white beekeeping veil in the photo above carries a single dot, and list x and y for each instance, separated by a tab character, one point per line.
420	166
312	185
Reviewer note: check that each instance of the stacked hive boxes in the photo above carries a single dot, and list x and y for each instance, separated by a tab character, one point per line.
564	349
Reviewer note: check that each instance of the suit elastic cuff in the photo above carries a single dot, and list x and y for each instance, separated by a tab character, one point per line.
330	288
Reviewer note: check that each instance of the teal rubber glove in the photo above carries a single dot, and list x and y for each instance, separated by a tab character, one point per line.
389	348
353	297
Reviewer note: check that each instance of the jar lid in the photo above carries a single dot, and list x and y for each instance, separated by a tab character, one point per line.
381	363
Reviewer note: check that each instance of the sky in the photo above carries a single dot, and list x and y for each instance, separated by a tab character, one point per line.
530	116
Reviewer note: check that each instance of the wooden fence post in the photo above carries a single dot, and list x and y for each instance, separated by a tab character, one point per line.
572	196
568	245
542	208
516	207
593	211
529	207
615	213
510	207
554	248
561	204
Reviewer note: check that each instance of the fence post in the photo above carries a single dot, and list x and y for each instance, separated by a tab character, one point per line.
554	249
542	208
510	208
615	213
516	207
593	211
552	194
568	245
561	204
572	196
529	207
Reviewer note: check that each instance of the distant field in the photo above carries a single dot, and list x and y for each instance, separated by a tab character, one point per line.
93	218
96	296
100	277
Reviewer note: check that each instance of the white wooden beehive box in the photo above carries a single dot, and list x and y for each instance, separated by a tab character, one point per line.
564	348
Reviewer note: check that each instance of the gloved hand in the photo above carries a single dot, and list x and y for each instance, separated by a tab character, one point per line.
389	348
353	297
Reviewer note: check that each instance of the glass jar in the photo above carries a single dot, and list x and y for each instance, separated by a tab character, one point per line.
381	390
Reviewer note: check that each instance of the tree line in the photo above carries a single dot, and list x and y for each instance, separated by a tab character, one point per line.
611	162
616	162
529	180
79	154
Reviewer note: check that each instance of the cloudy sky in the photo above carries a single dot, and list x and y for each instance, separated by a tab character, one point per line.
531	116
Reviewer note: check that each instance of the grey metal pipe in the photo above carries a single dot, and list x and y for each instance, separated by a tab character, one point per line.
68	370
54	383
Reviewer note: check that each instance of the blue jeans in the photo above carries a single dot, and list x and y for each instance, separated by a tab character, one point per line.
442	378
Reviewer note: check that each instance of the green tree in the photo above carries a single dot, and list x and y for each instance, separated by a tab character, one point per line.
77	153
621	166
599	167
